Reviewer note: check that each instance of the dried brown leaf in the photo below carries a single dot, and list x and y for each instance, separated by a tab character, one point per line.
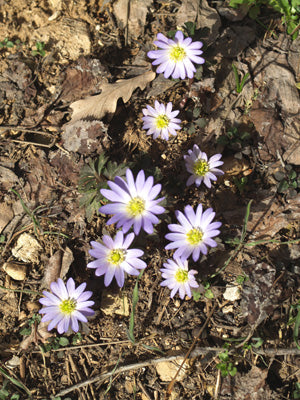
106	102
57	267
38	334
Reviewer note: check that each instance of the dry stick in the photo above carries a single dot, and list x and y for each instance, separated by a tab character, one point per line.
171	384
199	351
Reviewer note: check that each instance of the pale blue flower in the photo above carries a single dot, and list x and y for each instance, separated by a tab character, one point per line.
113	258
160	121
133	202
176	57
66	305
178	277
202	169
193	233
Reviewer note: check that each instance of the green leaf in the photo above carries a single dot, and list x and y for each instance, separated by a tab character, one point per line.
236	3
209	294
190	28
254	12
283	186
296	328
135	299
201	122
63	341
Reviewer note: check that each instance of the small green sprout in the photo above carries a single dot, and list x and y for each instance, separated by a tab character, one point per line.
55	343
241	279
295	319
241	183
93	177
4	393
289	9
296	392
225	365
27	329
234	139
40	49
208	292
288	180
240	83
6	44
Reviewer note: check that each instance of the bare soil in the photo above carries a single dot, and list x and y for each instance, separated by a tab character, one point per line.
249	290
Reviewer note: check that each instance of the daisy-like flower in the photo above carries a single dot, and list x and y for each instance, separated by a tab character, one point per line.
114	258
133	202
176	57
202	169
65	306
160	121
194	233
178	277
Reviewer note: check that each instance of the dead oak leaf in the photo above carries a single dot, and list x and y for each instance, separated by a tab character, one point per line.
106	102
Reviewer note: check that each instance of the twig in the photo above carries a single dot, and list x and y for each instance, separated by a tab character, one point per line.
199	351
171	384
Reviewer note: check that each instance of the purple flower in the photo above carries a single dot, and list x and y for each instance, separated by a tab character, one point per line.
160	121
178	277
114	258
194	233
202	168
176	57
133	202
65	306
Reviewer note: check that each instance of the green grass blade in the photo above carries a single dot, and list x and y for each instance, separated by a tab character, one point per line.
36	223
135	299
236	77
296	328
15	382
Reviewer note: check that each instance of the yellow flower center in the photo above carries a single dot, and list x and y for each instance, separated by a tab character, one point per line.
194	236
162	121
200	167
181	275
177	53
68	306
116	256
136	207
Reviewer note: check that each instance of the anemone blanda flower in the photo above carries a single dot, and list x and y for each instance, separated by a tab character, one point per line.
114	258
160	121
178	278
133	202
176	57
202	169
66	305
193	233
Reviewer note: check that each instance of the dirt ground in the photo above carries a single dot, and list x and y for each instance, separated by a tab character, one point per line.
237	337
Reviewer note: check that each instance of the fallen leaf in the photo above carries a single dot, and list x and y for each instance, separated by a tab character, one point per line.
38	334
57	267
204	16
167	370
15	271
106	102
132	15
27	249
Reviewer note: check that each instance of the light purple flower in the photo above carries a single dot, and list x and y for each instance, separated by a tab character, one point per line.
178	277
160	121
176	57
114	258
133	202
202	169
65	306
194	233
